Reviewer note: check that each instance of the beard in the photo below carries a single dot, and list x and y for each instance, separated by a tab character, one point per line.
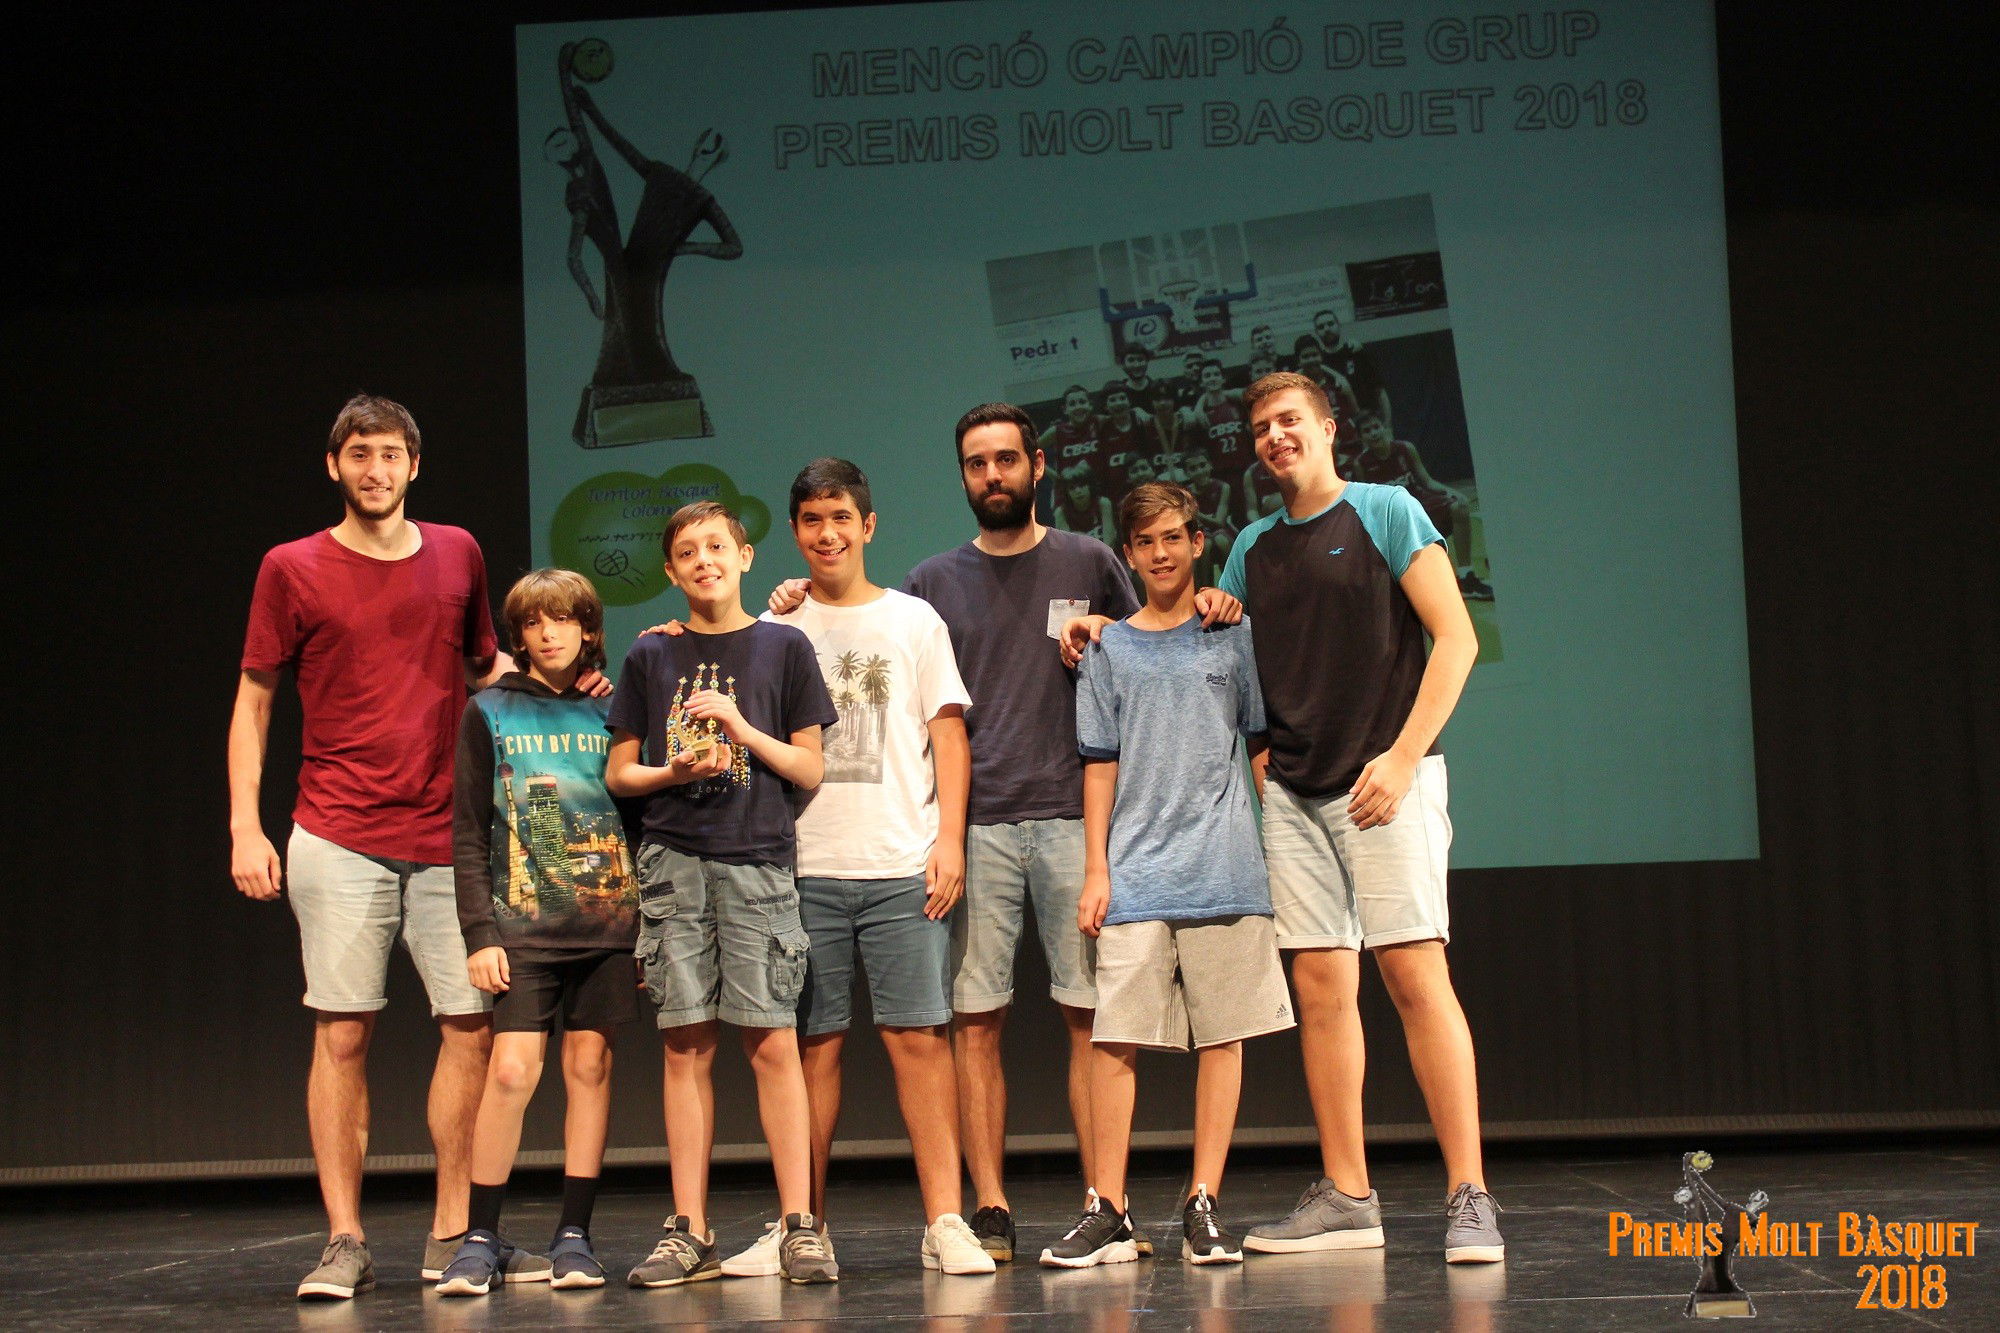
995	517
373	506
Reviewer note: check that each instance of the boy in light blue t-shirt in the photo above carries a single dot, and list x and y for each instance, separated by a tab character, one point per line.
1174	886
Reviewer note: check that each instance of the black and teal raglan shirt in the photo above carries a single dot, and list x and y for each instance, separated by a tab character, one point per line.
1340	650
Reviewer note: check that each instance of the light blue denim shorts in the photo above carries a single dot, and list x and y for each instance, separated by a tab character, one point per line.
1335	886
351	907
1008	866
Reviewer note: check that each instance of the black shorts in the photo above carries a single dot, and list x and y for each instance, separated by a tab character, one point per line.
595	989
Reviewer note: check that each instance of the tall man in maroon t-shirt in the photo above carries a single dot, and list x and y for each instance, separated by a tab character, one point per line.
384	621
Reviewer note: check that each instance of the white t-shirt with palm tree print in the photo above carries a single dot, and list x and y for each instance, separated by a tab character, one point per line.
889	667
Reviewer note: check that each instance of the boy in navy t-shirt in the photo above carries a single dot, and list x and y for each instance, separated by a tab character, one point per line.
1174	889
718	727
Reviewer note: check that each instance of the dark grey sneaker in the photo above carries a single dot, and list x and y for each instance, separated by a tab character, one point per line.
1102	1235
1204	1240
345	1270
516	1264
475	1267
994	1226
804	1251
1325	1219
681	1256
1472	1228
572	1263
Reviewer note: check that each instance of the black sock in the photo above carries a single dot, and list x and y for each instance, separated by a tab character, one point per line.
579	1198
482	1211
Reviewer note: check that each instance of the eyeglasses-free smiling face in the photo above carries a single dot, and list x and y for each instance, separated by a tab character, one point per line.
374	473
1163	553
1291	436
707	564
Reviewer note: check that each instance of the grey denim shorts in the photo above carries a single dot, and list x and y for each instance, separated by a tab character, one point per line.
719	940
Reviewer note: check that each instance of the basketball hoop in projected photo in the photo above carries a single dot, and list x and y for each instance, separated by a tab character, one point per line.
1171	292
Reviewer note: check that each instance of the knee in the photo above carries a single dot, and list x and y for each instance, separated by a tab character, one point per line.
689	1052
771	1050
1417	981
343	1041
513	1076
1324	988
914	1045
587	1065
979	1033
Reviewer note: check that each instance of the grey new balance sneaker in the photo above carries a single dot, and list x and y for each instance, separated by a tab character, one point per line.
1325	1219
1472	1228
516	1264
345	1269
681	1256
804	1251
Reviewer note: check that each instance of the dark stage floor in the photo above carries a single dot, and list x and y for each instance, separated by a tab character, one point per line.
213	1258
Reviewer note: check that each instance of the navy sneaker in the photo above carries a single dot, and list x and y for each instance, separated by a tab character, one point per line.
473	1269
572	1263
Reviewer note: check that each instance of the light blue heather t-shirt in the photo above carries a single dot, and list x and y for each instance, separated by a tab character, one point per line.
1172	706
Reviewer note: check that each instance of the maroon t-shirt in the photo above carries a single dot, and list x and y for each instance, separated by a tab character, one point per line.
379	647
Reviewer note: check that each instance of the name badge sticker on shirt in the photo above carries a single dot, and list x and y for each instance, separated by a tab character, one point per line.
1062	611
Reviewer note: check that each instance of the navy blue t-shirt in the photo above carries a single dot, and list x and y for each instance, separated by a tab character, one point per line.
743	817
1340	650
1001	611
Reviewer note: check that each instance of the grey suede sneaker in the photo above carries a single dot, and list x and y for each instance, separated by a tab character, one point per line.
1472	1228
1325	1219
345	1269
804	1250
681	1256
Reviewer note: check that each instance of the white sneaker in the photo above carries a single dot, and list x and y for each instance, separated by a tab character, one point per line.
761	1258
950	1245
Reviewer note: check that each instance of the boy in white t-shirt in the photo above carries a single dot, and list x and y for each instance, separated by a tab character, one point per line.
881	850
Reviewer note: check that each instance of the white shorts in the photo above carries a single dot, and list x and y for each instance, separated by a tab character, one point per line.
1334	886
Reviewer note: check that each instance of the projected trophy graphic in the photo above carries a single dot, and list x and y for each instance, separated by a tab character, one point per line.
637	393
1716	1294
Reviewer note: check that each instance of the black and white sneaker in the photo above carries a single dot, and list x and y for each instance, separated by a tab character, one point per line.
1473	588
1101	1236
1204	1240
